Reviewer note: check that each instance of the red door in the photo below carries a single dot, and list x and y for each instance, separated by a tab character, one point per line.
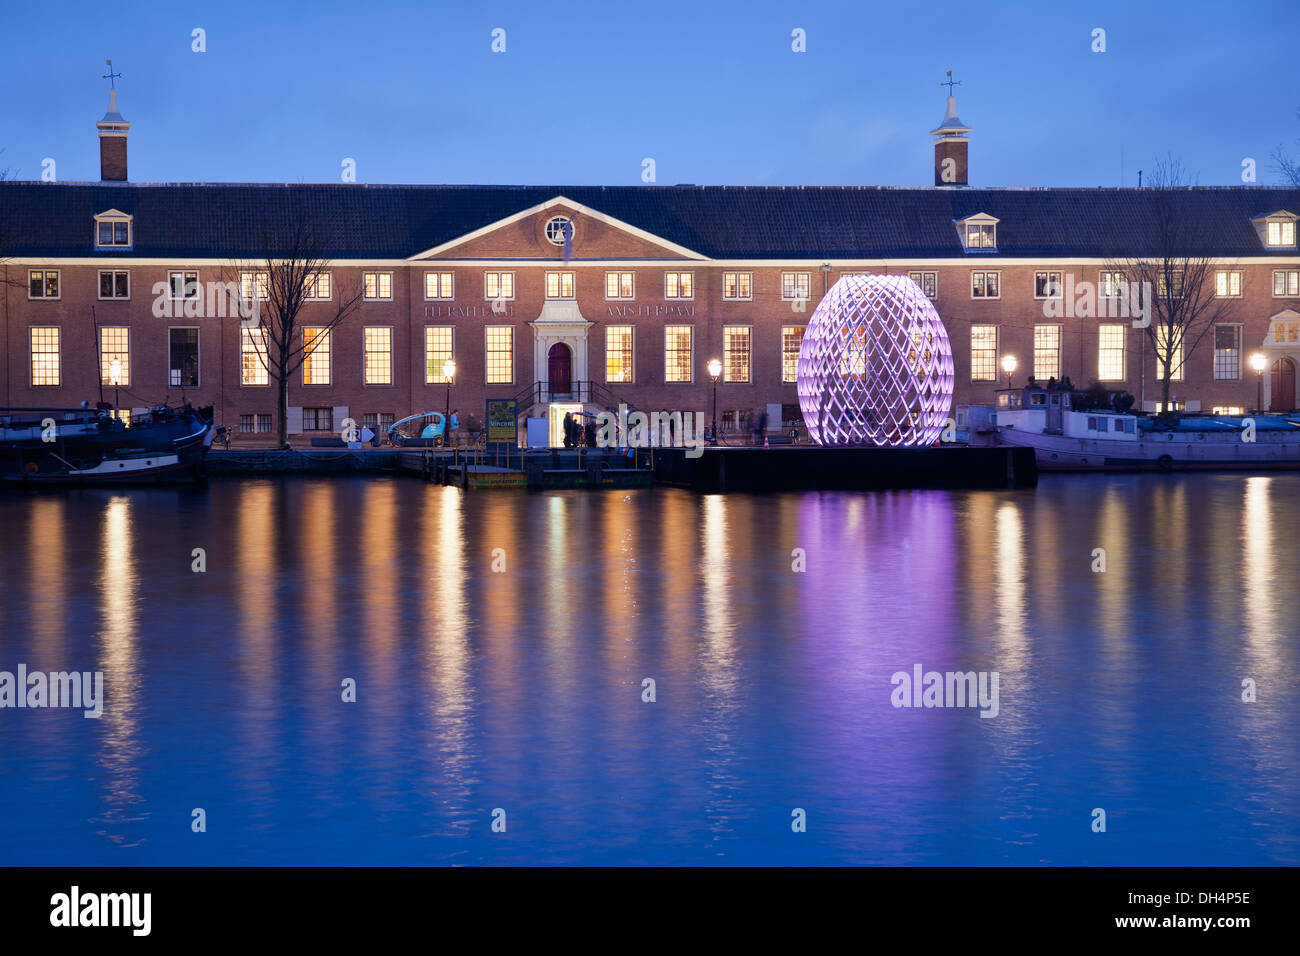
1282	386
559	369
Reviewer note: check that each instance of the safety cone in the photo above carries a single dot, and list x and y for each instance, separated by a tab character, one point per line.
765	442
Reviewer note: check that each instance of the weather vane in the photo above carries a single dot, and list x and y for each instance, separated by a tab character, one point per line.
112	77
950	83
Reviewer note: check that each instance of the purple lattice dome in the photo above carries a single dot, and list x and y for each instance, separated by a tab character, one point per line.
875	366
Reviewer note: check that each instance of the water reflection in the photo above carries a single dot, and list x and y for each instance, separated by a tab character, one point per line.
512	677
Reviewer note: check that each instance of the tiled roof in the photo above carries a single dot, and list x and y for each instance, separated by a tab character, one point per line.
219	220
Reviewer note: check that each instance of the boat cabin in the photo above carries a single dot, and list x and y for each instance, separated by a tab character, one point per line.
1040	409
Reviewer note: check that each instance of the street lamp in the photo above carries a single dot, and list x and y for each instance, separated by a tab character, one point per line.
1008	366
449	372
1257	362
715	370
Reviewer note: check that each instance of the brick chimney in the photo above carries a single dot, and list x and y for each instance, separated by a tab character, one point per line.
113	131
950	168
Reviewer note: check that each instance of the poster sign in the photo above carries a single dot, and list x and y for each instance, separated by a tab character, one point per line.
502	416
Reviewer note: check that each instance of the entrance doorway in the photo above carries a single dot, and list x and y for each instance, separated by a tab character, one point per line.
557	412
559	369
1282	386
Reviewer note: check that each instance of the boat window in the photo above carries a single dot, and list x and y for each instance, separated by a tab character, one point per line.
1092	423
1056	399
1037	398
1101	424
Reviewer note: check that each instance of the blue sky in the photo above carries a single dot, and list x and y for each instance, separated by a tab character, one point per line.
711	91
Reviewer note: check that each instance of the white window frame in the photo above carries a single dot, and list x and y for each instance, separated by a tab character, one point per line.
1281	227
1048	273
440	275
986	273
1123	351
99	279
970	355
749	355
620	274
487	365
691	368
432	377
919	278
328	348
631	379
311	292
1060	340
1227	275
263	365
379	276
1286	293
781	371
58	280
1214	351
113	217
738	297
365	359
58	353
806	277
488	297
198	342
679	273
183	273
559	283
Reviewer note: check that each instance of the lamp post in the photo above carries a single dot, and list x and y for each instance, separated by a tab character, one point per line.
449	372
1008	366
715	370
1257	362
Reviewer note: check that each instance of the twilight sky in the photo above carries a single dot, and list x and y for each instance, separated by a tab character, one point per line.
711	91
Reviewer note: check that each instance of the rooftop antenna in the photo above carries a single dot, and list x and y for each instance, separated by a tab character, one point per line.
950	83
110	75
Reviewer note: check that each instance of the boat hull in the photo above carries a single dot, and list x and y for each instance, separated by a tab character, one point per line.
1207	453
43	449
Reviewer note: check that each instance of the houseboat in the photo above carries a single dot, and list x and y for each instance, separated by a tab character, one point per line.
93	445
1068	433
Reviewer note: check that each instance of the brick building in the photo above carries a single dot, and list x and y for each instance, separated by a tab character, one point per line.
581	295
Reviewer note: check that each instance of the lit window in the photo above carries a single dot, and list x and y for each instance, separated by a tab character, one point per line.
1048	285
1174	354
737	285
316	288
1047	352
1281	233
439	285
115	356
316	356
1227	352
498	285
983	353
619	355
1228	410
1286	282
115	285
253	360
378	285
1110	353
43	284
980	235
500	344
795	286
928	281
45	355
438	340
679	285
985	285
379	355
250	282
559	285
184	285
735	353
678	353
183	358
1227	284
1112	284
618	285
791	339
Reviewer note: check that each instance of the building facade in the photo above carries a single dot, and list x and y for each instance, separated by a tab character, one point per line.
590	296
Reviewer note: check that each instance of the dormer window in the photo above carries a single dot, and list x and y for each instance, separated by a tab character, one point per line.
1281	233
112	230
978	232
1276	229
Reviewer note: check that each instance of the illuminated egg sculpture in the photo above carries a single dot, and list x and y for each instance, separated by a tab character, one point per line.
875	366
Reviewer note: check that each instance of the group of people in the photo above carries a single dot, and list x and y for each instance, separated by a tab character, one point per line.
578	434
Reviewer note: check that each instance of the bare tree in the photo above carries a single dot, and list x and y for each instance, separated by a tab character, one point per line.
295	259
1176	281
1287	166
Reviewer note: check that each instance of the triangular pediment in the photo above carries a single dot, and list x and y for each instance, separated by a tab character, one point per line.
525	235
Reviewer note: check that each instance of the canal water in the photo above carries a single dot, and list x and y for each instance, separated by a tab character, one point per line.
499	643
